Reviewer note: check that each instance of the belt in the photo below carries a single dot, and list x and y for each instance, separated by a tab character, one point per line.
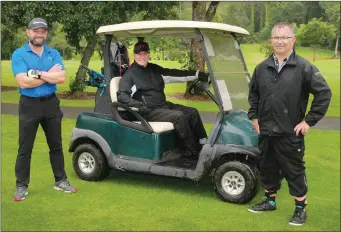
44	98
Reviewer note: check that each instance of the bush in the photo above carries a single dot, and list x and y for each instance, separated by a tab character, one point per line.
266	49
77	85
264	34
251	39
175	54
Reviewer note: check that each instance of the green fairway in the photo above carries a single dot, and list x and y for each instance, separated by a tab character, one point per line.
132	201
329	68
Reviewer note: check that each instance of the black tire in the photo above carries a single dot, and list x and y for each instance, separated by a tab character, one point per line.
240	173
100	168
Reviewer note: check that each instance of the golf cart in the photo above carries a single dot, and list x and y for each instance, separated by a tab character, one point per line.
102	141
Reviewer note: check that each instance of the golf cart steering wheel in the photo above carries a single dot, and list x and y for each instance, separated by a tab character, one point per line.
199	84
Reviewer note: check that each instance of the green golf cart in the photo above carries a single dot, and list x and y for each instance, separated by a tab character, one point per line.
102	141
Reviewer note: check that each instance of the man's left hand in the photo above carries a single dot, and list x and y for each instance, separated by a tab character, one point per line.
56	68
203	76
302	127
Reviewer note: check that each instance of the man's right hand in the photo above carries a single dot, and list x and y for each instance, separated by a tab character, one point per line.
56	68
144	109
255	125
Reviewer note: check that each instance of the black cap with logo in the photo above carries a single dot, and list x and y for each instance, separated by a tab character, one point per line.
141	47
37	23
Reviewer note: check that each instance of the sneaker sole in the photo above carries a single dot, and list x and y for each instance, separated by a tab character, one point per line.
295	224
20	199
254	211
60	189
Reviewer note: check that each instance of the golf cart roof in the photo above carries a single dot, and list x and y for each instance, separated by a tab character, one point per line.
166	27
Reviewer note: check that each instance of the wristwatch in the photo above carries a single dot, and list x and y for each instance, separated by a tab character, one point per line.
34	73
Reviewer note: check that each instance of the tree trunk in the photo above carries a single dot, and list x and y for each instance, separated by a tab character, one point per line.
314	54
199	13
337	47
266	14
252	17
212	9
87	54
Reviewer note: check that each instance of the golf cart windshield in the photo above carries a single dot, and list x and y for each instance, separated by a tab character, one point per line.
228	67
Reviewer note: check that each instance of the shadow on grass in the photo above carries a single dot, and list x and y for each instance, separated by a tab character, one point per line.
204	187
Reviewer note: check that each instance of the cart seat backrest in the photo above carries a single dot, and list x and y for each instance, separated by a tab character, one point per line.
114	83
158	127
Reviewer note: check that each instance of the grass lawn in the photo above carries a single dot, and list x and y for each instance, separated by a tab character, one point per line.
330	69
131	201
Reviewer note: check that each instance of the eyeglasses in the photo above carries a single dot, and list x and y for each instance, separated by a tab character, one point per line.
283	38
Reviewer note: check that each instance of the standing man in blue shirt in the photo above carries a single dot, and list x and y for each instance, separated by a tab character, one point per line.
37	69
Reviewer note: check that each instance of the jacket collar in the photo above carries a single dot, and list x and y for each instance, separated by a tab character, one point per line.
292	60
140	66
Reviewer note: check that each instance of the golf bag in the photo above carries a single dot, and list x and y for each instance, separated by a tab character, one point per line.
119	63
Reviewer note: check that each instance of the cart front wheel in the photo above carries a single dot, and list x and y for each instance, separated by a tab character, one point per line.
234	182
90	163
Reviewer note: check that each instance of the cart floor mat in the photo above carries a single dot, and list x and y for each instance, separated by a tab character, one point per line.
183	162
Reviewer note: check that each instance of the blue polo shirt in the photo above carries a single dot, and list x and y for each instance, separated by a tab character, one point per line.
24	59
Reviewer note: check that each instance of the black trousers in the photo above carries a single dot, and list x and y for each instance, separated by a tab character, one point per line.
283	155
47	113
186	120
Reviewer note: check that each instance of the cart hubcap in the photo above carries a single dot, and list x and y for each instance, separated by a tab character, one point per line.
86	162
233	183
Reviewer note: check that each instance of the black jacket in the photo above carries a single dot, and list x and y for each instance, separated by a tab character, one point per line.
279	100
149	85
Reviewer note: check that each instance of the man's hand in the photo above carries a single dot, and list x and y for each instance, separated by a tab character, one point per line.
302	127
203	76
255	125
55	68
144	109
34	73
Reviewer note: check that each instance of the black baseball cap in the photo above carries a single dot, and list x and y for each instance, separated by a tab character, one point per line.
141	47
37	23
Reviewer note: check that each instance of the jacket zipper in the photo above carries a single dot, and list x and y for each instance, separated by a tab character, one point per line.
144	100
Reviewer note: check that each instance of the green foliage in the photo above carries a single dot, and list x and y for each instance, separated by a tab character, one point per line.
176	54
291	12
332	13
265	33
77	85
58	41
266	49
164	45
316	32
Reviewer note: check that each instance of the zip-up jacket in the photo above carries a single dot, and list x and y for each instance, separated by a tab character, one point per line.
279	100
149	85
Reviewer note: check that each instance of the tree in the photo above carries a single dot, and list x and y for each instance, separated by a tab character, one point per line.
199	13
315	33
290	12
81	19
252	17
333	14
59	42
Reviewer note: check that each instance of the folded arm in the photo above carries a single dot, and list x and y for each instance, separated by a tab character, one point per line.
26	82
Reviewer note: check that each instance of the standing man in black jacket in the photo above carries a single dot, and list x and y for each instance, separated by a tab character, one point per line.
148	80
279	91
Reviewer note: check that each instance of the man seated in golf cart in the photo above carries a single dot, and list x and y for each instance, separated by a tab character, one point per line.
148	81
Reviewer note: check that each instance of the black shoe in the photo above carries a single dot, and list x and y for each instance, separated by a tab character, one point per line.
265	205
299	217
